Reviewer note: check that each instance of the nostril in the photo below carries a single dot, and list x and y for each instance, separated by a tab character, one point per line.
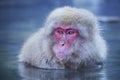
62	44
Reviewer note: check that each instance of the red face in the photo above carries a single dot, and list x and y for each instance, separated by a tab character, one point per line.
65	36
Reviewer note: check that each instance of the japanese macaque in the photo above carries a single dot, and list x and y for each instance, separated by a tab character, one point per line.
70	38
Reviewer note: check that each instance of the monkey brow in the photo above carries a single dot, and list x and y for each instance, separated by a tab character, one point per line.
58	28
66	29
73	29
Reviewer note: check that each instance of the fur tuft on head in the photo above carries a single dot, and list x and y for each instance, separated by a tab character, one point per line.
71	16
68	15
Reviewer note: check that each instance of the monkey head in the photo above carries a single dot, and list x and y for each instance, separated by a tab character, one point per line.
70	28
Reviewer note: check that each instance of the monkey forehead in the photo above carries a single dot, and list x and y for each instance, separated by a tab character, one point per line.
65	27
69	15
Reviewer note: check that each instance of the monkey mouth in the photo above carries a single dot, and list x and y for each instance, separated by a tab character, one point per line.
61	56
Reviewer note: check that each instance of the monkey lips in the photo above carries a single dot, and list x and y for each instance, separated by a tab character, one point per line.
62	51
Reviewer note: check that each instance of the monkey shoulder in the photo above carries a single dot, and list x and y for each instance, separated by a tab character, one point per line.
33	50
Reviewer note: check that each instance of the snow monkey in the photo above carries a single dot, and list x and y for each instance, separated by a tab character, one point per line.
70	38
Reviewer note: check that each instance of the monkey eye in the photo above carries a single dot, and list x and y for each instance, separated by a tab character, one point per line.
60	31
70	32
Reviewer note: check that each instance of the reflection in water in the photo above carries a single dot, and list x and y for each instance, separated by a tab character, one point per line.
31	73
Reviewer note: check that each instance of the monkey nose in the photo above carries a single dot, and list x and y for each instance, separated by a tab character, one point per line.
62	44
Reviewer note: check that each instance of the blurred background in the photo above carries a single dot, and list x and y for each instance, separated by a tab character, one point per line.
20	18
